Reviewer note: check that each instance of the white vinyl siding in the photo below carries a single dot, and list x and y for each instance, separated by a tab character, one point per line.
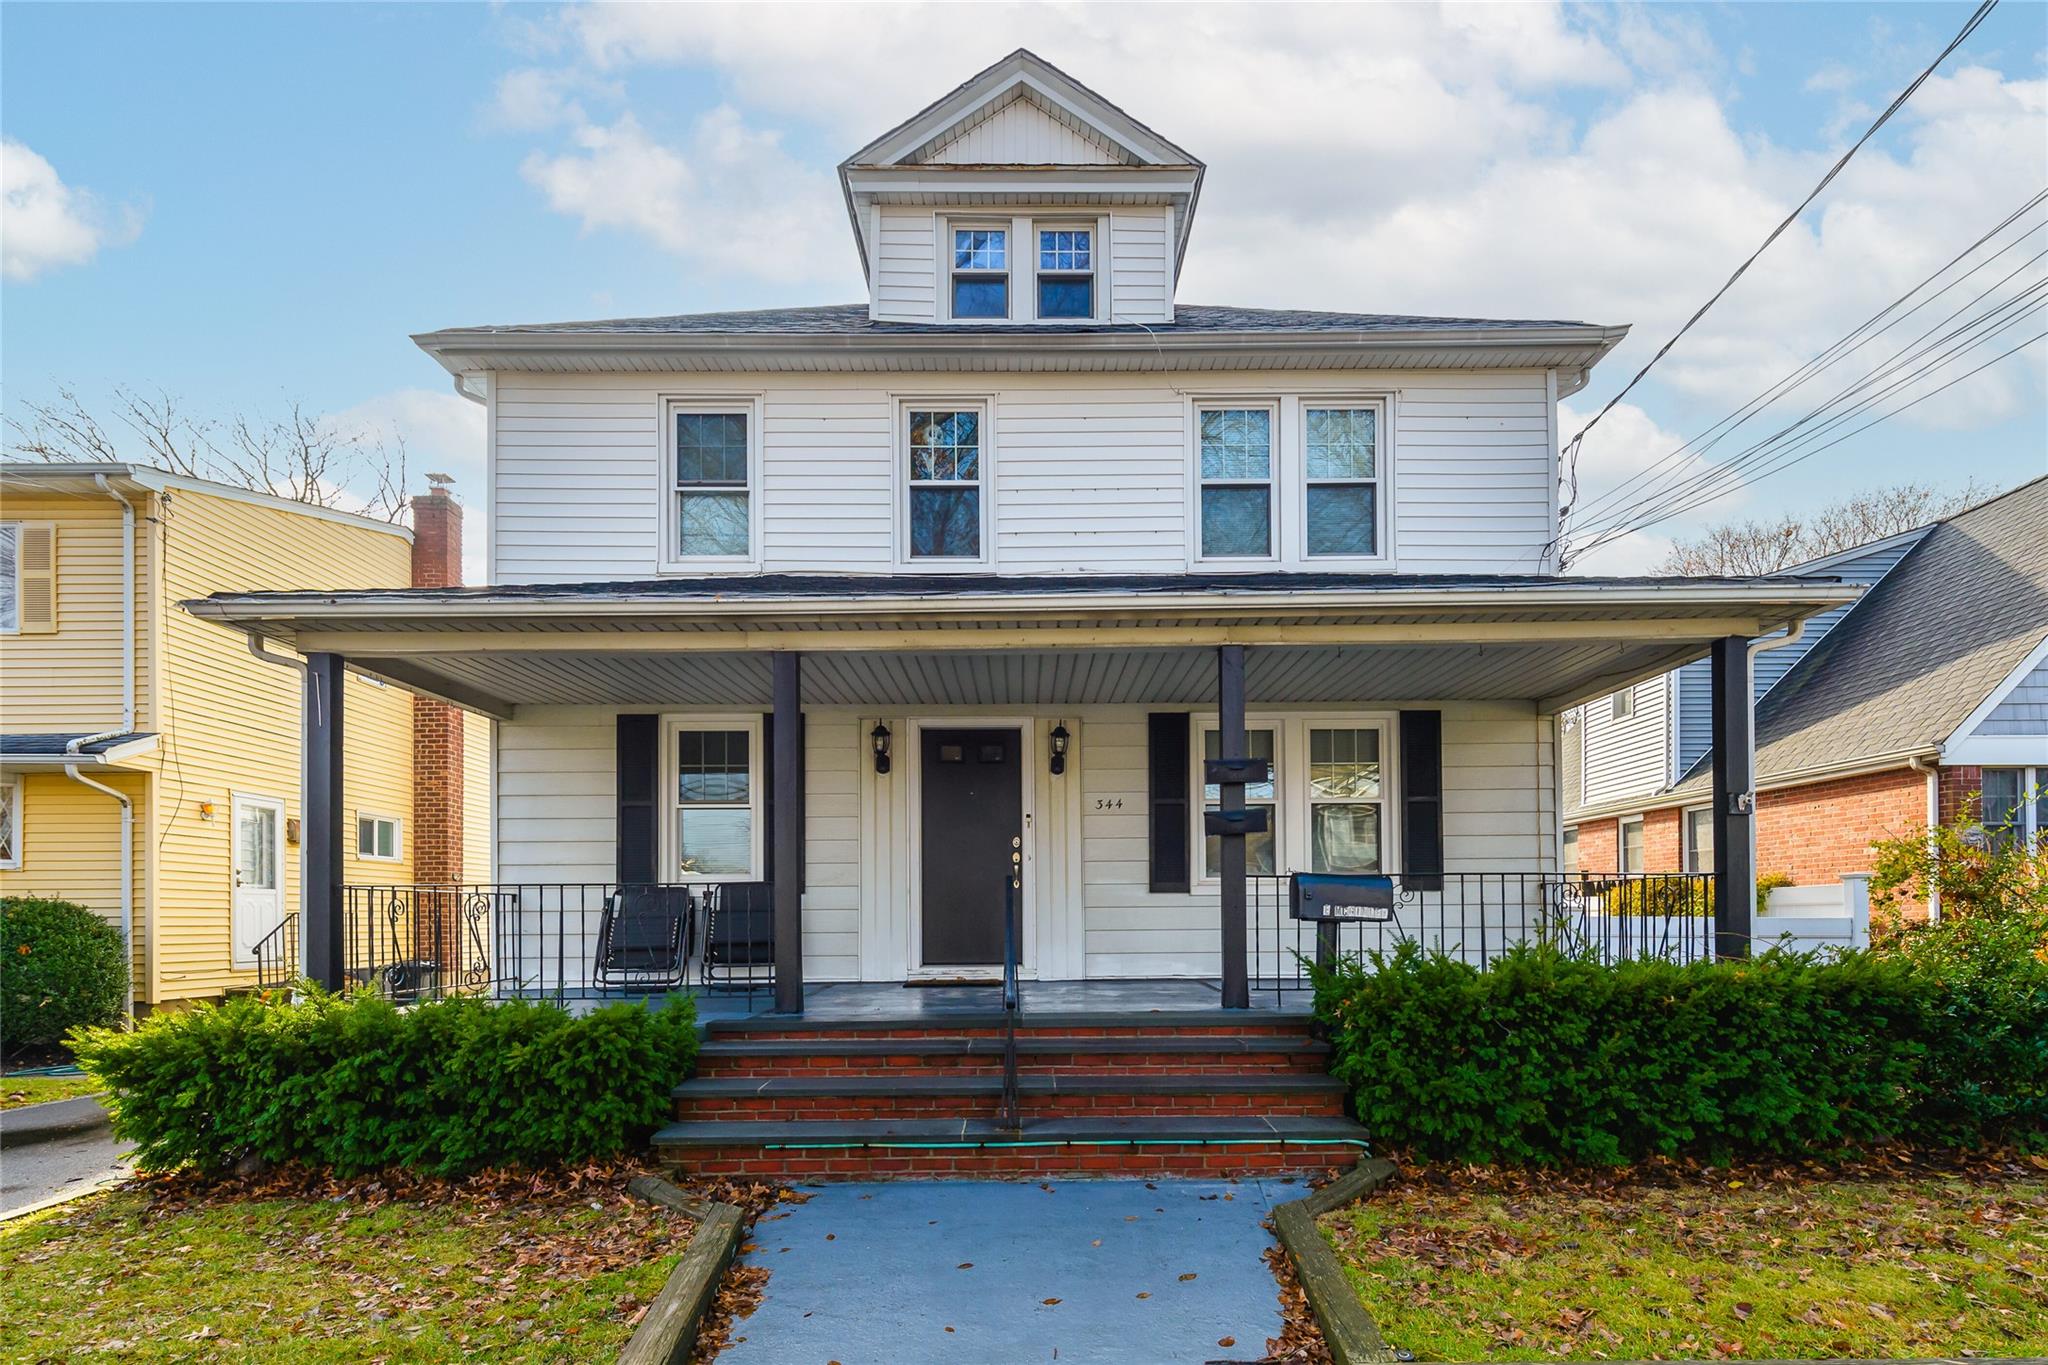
1092	473
1019	132
1629	755
1140	281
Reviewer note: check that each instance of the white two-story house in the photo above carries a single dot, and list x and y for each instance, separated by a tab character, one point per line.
1021	580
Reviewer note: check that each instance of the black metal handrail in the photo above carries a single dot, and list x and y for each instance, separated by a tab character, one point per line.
277	955
1478	917
1011	1116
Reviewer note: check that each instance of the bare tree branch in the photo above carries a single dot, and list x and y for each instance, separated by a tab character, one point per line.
1741	548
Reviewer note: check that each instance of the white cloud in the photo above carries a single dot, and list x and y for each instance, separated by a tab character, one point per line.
532	99
443	434
50	224
731	198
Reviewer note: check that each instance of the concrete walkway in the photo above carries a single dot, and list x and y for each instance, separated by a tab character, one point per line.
1097	1271
55	1149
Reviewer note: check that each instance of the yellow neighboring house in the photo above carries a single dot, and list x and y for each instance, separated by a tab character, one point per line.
116	708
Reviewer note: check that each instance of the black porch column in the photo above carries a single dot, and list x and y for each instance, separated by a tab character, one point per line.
1230	743
320	919
786	857
1734	798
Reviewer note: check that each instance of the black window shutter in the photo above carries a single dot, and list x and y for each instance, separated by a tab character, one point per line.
767	762
1166	734
639	749
1422	800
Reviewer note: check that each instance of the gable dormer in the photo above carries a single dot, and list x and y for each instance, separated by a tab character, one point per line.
1022	198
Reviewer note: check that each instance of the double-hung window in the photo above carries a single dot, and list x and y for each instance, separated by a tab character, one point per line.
1341	462
2014	806
1259	856
713	463
1629	847
946	470
10	823
1345	795
717	801
1699	839
1237	482
981	272
1066	272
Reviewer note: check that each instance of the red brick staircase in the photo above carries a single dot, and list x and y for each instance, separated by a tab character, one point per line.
1147	1094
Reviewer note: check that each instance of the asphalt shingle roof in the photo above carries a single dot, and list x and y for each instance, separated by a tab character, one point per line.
1919	653
50	746
851	319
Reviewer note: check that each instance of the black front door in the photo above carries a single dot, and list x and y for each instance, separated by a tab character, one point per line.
973	816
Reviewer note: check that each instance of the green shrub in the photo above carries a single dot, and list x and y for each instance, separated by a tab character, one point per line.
61	967
1766	883
355	1084
1655	896
1549	1058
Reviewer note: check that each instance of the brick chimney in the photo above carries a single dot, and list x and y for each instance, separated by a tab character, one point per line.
436	726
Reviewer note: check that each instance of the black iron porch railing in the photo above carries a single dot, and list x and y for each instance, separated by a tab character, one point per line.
1479	916
277	955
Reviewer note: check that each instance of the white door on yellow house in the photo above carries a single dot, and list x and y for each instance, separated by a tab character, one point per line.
259	875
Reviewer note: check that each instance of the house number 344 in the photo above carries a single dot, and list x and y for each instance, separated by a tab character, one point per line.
1109	803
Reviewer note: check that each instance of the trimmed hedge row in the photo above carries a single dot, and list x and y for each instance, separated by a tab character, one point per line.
354	1084
1547	1058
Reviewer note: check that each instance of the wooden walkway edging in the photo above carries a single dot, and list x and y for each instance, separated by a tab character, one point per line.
669	1330
1349	1331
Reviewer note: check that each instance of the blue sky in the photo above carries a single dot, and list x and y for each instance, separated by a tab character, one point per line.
257	203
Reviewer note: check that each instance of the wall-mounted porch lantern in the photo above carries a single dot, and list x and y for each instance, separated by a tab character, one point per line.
879	738
1059	749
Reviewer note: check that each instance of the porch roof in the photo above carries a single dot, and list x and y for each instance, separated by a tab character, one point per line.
989	640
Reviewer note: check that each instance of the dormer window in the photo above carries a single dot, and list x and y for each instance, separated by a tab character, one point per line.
1066	273
981	272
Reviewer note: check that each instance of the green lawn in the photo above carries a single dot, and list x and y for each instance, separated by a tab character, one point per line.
16	1091
1502	1267
563	1275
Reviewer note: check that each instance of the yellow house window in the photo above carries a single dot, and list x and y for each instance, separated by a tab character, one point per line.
378	838
10	823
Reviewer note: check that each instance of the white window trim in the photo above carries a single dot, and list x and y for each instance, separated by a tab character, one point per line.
979	222
1622	705
672	806
1621	845
1097	274
1380	482
900	482
1291	797
1290	479
15	628
1687	859
1275	466
673	561
12	861
2031	781
397	837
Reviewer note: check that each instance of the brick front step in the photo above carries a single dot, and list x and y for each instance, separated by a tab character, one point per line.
989	1024
1100	1147
1151	1096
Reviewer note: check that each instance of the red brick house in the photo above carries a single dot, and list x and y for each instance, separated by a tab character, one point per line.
1929	692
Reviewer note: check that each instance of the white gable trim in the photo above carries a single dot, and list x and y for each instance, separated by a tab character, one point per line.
1969	749
1023	100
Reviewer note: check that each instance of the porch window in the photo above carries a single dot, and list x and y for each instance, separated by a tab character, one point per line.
981	272
1622	705
1236	459
715	803
713	458
1342	462
2014	806
1259	859
1629	847
1699	839
945	483
10	823
1066	273
1345	793
377	838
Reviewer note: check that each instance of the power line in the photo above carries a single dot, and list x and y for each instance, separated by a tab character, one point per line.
1572	447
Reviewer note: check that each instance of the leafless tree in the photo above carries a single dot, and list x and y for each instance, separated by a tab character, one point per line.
304	456
1739	548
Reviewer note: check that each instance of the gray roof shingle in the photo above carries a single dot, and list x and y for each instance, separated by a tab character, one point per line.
1917	655
851	319
53	746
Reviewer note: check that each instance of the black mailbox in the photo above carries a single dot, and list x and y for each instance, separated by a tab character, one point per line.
1331	897
1221	770
1251	820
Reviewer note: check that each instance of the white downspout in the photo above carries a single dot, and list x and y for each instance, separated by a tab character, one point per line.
127	727
1791	634
1933	772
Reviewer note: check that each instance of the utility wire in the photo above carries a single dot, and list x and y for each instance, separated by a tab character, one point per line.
1841	350
1572	448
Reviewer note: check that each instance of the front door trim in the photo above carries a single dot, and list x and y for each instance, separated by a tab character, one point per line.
912	756
239	957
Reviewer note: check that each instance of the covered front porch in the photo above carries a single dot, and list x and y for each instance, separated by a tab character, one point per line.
787	792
